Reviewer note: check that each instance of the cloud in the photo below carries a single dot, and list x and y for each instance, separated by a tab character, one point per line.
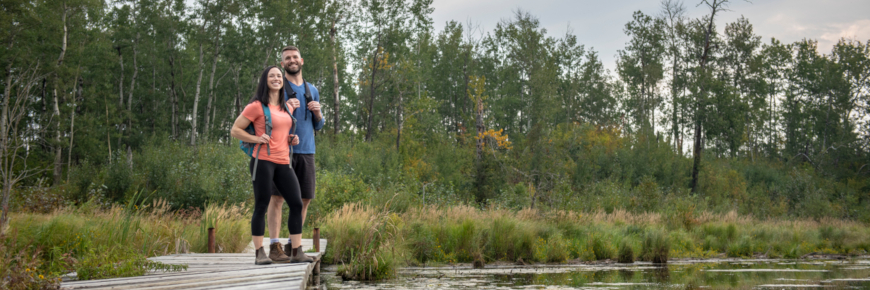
857	30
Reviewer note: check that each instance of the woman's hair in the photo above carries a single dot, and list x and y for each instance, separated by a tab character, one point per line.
262	93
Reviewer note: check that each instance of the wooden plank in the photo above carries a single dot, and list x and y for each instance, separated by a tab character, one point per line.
145	281
271	284
214	271
216	283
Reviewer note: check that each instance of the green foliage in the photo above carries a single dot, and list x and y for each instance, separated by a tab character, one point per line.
363	242
601	248
114	262
625	253
655	247
100	243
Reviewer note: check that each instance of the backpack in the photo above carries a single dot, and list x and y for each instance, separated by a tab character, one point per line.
248	148
308	97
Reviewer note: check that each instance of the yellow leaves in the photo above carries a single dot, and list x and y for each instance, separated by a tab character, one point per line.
383	61
476	88
501	140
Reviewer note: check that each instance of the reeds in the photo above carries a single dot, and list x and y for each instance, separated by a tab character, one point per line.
116	241
461	234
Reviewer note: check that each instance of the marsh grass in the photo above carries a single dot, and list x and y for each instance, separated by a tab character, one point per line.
626	253
98	242
363	241
461	234
656	246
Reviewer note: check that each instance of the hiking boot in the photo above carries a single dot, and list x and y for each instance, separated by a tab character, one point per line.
288	249
277	255
298	256
261	258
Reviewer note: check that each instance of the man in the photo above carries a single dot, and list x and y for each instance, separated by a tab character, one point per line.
308	119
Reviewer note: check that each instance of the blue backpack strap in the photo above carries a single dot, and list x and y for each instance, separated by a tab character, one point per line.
268	116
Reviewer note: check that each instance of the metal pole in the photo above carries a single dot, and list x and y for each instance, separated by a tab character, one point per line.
211	240
317	239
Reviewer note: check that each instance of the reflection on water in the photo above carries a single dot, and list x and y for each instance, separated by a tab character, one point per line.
764	274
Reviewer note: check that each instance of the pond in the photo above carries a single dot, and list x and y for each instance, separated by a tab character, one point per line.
683	274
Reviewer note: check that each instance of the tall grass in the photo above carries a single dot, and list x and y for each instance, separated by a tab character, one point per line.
98	242
368	240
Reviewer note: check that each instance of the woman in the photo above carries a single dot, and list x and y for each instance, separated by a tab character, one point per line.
274	166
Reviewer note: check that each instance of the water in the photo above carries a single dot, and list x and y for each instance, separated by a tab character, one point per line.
686	274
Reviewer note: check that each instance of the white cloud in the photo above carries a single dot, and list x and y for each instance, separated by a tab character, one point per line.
599	24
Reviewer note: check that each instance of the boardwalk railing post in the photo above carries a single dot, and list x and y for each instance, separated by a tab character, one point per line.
316	239
211	240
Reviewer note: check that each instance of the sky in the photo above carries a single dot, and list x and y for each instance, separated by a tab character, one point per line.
599	24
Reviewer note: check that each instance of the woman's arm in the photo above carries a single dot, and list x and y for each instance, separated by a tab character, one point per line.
238	132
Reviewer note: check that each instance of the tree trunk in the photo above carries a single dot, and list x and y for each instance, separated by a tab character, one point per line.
4	138
121	82
196	101
335	103
132	84
479	124
58	158
208	107
372	91
238	101
400	119
72	124
173	98
699	110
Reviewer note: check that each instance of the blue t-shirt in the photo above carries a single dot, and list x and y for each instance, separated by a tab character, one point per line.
305	125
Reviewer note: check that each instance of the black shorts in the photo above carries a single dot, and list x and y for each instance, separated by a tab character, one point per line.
303	166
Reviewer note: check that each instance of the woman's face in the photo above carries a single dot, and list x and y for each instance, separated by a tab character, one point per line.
274	79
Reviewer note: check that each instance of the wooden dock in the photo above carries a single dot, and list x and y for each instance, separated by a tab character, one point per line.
218	271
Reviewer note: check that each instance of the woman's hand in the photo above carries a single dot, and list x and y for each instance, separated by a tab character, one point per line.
293	104
264	138
294	140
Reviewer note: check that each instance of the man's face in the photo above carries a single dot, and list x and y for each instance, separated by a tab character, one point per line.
291	61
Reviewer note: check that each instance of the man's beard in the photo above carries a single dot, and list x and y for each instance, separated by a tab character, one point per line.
291	72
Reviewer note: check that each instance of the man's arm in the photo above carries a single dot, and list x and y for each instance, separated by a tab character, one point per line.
320	121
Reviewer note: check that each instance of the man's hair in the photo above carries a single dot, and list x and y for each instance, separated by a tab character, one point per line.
290	47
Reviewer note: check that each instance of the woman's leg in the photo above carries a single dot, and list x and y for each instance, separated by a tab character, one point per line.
262	195
288	186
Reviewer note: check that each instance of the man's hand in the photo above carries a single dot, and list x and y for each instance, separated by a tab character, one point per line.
293	104
294	140
264	139
314	107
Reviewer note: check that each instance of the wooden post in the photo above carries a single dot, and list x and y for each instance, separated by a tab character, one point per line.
316	239
211	240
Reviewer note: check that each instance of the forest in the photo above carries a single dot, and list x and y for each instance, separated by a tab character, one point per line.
485	145
105	101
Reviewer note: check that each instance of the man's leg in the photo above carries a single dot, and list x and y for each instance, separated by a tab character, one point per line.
303	166
305	203
276	205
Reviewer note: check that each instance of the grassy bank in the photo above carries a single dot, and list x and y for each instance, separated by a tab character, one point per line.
369	243
110	242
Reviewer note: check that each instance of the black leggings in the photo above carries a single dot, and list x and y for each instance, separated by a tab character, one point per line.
284	179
